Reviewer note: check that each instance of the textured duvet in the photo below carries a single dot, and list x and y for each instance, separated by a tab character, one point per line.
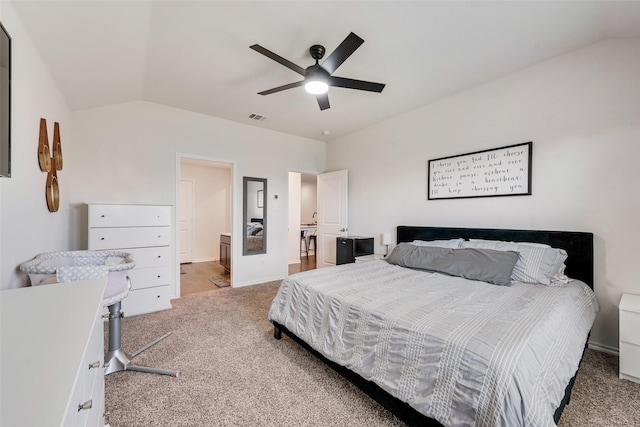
463	352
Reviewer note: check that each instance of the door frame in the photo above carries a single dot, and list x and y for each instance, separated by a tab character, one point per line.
178	209
176	216
293	240
304	172
318	244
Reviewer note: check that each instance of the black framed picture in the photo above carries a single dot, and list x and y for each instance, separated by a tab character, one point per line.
503	171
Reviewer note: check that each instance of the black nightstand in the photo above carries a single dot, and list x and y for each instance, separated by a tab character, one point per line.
348	248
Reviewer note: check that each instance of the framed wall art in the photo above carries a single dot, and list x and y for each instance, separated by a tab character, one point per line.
503	171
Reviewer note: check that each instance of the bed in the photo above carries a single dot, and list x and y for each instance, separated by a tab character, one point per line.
255	233
438	349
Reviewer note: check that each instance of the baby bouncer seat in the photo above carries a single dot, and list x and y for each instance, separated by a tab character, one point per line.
57	267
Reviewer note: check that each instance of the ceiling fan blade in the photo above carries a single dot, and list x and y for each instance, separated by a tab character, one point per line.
356	84
342	52
281	88
323	101
279	59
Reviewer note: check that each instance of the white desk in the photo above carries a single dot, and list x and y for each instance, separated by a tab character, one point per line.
51	334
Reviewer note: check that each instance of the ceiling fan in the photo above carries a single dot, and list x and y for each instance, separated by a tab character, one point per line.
318	77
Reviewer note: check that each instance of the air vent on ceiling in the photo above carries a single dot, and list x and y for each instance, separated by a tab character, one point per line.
258	117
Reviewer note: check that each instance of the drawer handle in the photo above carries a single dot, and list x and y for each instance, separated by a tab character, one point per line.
158	276
159	256
86	405
94	365
101	216
159	236
102	238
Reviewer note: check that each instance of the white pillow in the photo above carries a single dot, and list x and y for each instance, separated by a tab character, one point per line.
541	245
536	264
451	244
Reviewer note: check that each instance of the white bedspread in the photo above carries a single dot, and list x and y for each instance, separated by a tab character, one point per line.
462	352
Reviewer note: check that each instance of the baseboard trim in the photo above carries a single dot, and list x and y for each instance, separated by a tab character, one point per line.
258	282
604	348
205	260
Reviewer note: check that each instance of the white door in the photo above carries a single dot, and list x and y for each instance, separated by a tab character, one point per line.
186	221
332	215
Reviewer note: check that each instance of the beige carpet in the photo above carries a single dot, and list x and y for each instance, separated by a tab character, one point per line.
234	373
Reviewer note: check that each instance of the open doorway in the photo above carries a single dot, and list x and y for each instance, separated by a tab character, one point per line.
205	222
303	222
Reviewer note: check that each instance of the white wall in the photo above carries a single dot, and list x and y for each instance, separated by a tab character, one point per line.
27	228
127	153
212	208
582	112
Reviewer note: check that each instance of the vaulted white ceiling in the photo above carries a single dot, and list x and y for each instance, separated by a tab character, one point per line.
195	55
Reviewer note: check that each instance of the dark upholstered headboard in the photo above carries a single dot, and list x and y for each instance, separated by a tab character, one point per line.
579	246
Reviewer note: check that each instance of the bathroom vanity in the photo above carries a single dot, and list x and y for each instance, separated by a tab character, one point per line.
225	251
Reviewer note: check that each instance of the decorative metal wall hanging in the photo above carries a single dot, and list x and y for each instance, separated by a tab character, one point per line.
50	163
503	171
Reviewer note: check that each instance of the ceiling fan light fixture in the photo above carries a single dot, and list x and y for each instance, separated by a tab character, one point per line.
316	87
318	78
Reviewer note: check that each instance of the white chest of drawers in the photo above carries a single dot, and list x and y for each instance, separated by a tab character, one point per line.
52	353
145	232
630	337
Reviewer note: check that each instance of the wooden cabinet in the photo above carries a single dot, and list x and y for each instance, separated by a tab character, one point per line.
52	355
145	232
225	251
630	337
348	248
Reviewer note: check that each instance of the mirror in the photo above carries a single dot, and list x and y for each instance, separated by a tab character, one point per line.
254	211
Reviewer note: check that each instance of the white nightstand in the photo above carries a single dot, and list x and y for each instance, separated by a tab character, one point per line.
366	258
630	337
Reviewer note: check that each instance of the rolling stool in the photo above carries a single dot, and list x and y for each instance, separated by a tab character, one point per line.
57	267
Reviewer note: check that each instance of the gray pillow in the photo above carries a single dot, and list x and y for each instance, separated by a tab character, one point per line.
536	264
486	265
